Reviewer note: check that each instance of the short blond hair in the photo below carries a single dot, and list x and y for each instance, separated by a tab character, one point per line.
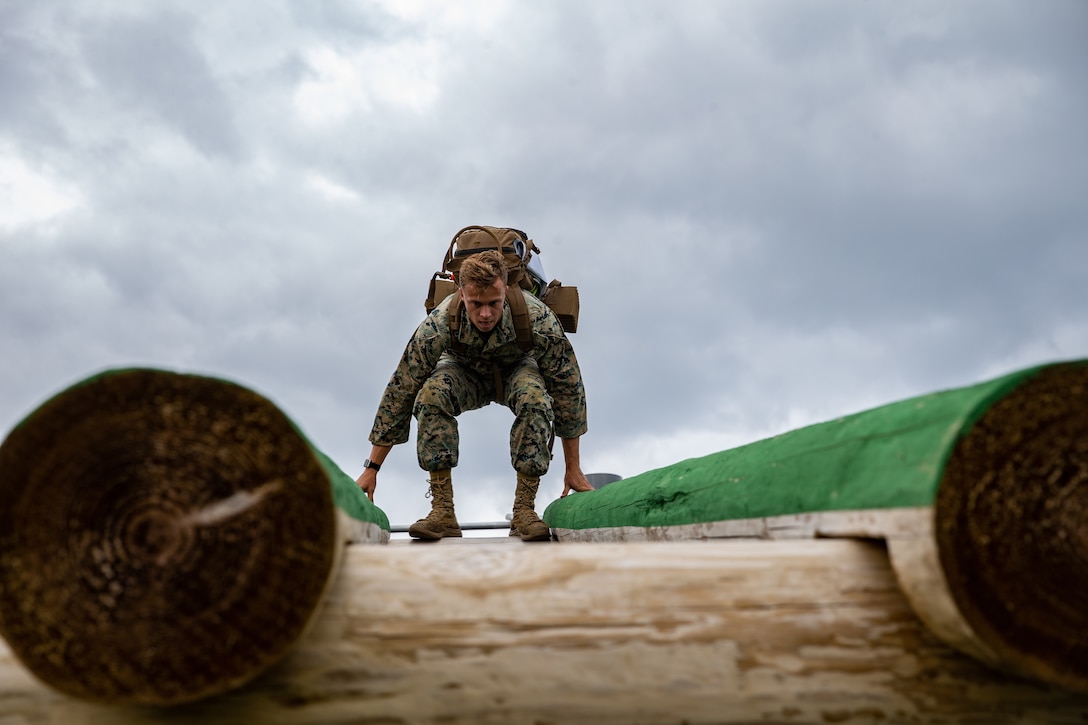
481	270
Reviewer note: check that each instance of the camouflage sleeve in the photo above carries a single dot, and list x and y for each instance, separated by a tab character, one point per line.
559	367
392	422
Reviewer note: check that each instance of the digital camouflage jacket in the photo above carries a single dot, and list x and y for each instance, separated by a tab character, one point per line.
551	349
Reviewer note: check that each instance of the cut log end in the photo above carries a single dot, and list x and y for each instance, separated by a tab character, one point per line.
1012	526
163	537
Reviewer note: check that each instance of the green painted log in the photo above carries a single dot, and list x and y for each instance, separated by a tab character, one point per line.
165	537
994	477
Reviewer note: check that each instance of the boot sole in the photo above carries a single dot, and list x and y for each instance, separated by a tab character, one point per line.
544	535
428	535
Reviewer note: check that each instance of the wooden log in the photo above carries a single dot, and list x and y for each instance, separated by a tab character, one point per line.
165	537
995	475
498	631
112	482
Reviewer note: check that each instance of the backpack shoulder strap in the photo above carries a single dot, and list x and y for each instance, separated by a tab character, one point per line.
457	306
522	325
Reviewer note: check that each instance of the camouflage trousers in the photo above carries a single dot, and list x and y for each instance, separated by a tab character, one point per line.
454	388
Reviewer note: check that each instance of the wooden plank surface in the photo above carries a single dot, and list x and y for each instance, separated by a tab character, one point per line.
997	470
499	631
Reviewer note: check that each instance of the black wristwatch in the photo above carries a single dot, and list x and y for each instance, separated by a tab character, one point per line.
371	464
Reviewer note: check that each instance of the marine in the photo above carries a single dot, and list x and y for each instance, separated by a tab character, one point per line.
436	381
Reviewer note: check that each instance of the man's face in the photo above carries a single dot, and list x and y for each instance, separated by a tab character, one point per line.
484	304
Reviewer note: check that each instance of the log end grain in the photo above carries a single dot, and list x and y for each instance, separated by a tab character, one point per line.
1012	526
163	537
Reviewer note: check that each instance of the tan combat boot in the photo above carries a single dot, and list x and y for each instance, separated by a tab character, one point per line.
441	521
525	523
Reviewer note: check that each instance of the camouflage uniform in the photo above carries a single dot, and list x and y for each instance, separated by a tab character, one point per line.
436	385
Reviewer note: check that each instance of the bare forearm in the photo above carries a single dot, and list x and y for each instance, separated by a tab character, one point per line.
573	478
572	456
378	453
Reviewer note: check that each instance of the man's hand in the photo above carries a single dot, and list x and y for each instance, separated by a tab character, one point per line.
575	480
368	481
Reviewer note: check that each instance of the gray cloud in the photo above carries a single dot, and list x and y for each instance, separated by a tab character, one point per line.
776	213
149	65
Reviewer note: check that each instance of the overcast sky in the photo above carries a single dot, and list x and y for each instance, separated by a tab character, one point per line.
776	212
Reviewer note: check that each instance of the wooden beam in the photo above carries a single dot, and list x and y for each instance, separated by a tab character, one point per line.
169	538
502	631
995	475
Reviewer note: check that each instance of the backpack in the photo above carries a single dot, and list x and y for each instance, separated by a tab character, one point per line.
523	272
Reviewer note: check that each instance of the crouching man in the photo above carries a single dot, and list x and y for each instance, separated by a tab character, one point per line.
445	371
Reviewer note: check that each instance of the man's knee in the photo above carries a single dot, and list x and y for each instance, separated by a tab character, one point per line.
530	397
436	395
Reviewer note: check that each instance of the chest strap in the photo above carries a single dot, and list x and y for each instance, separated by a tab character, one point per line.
523	332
